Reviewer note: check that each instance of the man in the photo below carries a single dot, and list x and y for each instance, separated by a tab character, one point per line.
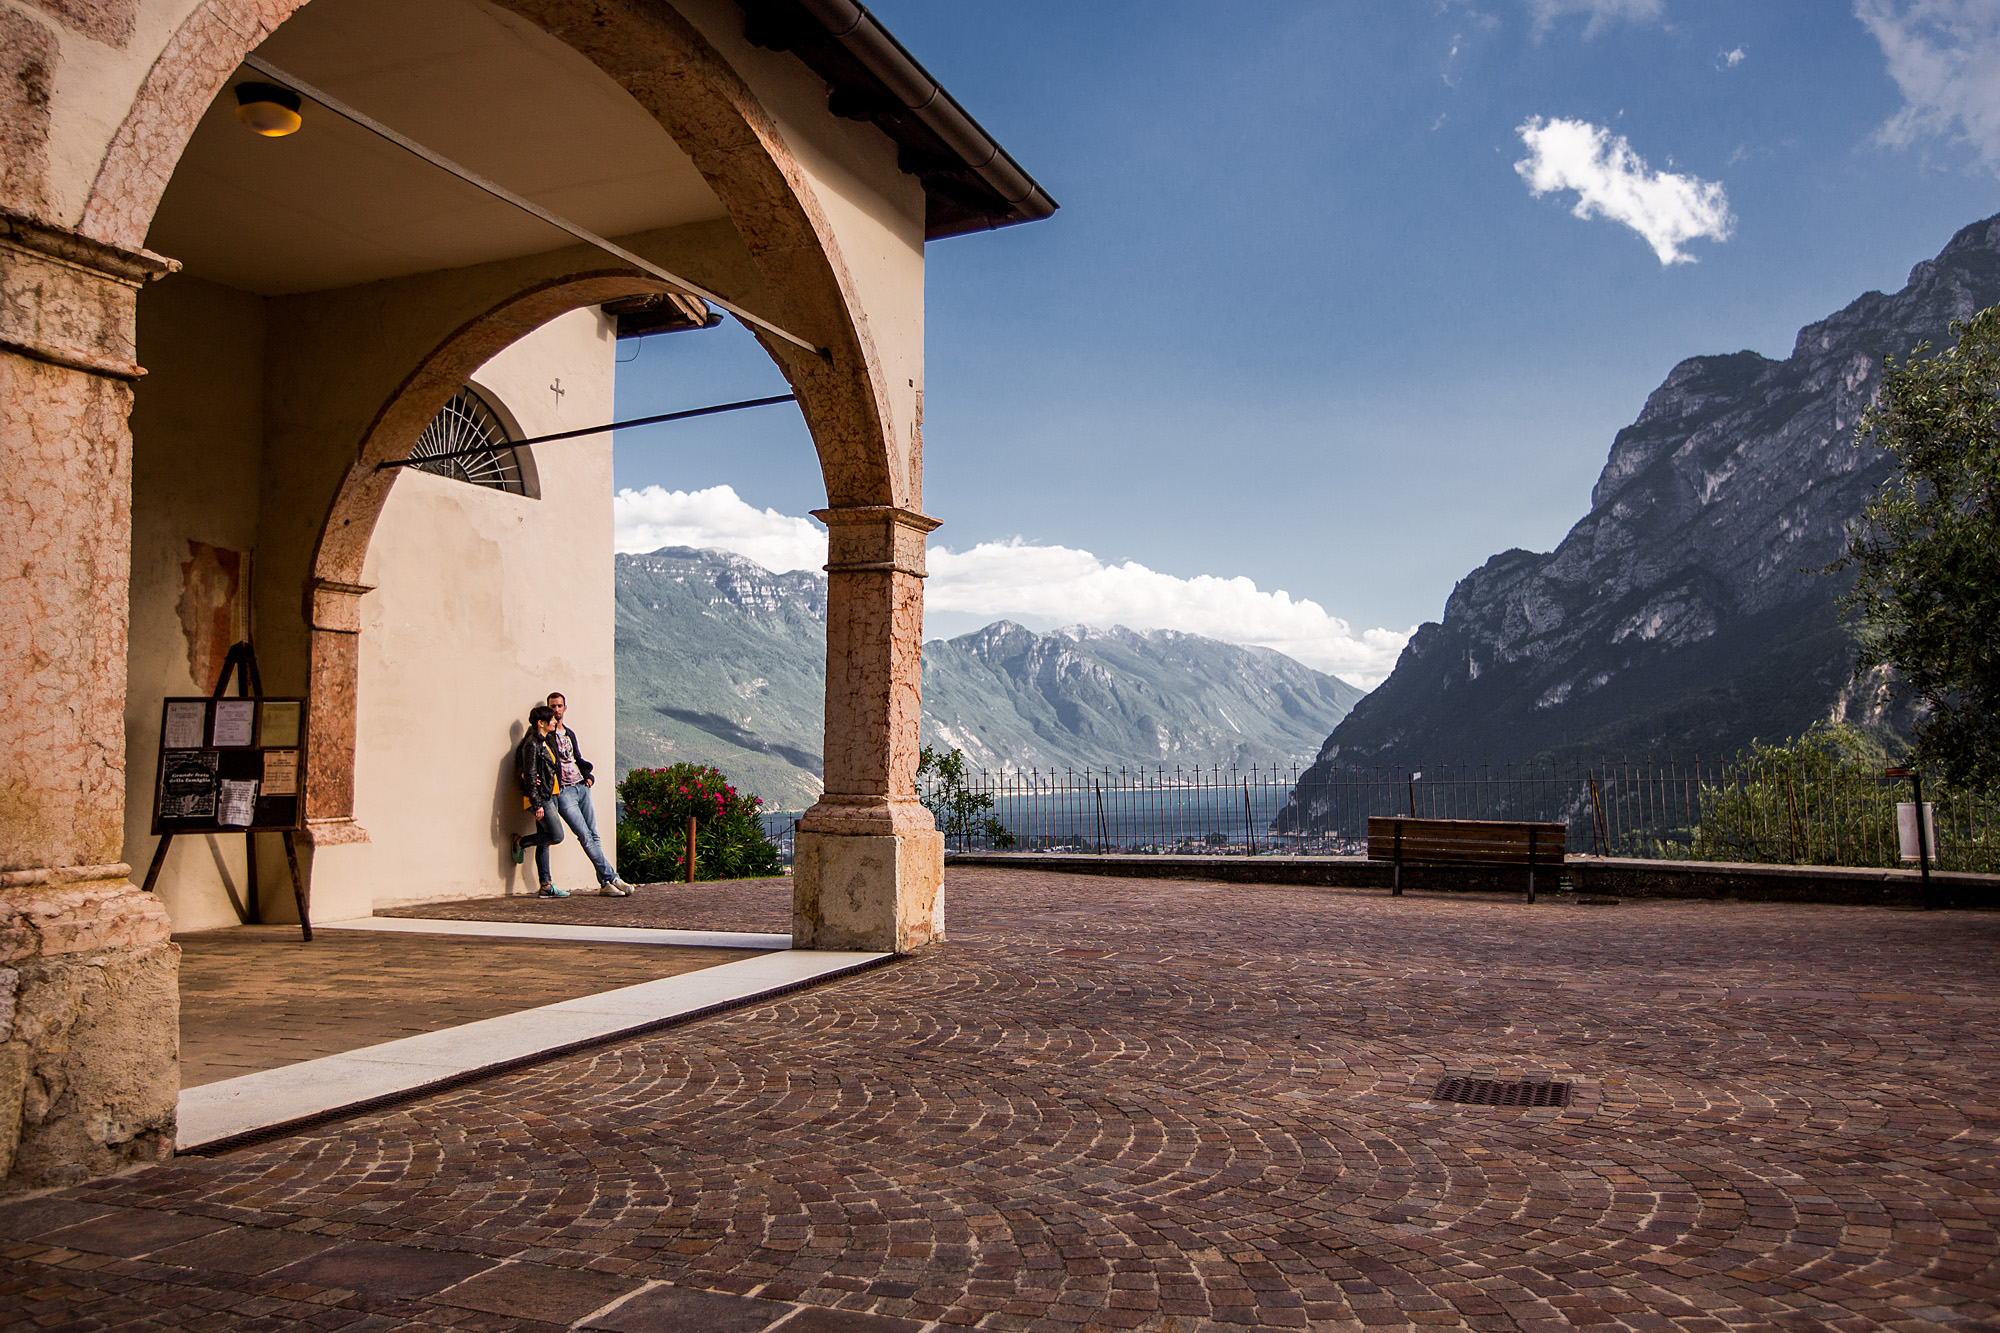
540	776
573	800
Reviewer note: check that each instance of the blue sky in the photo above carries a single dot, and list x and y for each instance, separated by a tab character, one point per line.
1302	323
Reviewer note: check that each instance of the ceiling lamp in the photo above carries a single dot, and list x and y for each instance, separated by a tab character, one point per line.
269	109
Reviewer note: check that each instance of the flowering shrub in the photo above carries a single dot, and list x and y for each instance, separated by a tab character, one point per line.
652	831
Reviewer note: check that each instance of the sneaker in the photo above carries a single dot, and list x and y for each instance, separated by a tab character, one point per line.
551	891
517	849
612	888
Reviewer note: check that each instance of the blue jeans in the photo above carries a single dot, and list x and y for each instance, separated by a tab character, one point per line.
548	832
573	804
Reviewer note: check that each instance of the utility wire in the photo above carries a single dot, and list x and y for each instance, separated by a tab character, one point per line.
589	430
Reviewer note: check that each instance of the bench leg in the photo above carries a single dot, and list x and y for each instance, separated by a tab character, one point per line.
1531	884
1396	882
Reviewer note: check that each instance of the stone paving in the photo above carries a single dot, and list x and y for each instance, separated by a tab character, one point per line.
1165	1105
256	997
762	906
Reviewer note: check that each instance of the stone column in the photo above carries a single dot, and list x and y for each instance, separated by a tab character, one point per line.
89	1008
335	616
869	861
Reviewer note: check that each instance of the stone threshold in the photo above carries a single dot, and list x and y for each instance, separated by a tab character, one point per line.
534	930
221	1115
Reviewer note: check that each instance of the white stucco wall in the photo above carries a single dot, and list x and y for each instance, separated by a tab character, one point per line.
483	603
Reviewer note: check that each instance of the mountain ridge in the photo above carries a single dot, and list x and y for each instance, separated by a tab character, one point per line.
1686	611
722	661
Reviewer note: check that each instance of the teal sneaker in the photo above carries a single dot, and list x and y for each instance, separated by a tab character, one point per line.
517	849
551	891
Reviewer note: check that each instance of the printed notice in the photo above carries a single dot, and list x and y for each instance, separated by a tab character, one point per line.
281	772
239	803
281	727
235	720
184	723
188	784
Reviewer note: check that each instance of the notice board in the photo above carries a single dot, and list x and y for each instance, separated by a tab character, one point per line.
231	766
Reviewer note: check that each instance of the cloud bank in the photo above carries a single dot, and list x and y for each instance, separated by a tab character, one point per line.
647	520
1600	12
1614	182
998	579
1945	58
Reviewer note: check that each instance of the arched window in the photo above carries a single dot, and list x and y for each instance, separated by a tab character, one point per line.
469	422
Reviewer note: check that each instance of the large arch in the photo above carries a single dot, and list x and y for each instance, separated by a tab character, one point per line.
91	1087
670	69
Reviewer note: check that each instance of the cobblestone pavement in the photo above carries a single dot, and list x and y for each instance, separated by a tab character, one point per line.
756	905
255	997
1174	1106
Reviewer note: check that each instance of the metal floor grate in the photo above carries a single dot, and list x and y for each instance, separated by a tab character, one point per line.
1489	1092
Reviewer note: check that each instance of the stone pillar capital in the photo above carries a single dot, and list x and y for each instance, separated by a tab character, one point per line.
334	606
69	300
875	539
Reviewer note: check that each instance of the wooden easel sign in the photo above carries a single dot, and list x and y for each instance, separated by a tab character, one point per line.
233	766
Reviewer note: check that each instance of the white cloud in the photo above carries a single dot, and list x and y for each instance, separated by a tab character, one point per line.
1945	57
999	579
1732	59
1613	181
1601	13
647	520
1075	587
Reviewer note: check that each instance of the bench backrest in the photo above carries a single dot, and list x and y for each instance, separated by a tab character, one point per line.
1465	841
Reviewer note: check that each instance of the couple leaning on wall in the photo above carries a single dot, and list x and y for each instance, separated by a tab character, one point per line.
555	782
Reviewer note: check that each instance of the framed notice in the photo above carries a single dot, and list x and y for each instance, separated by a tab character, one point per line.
231	766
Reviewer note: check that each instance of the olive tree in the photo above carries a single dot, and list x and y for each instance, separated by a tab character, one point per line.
1927	550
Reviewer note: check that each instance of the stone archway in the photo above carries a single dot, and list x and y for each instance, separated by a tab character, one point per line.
671	70
336	584
90	1088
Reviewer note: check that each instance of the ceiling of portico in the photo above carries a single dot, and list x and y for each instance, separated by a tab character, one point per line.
334	205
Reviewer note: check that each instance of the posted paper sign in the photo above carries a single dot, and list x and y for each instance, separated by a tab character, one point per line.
281	772
235	721
188	784
239	804
184	726
281	727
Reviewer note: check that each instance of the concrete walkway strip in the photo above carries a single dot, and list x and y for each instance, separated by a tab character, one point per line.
271	1100
532	930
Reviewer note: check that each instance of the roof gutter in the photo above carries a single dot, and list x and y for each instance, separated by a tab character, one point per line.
938	138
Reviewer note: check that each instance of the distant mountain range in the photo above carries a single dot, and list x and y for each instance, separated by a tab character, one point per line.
1686	612
721	661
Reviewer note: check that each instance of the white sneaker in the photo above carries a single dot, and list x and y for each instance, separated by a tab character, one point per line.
615	888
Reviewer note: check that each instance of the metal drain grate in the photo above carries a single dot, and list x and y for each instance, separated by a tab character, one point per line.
1489	1092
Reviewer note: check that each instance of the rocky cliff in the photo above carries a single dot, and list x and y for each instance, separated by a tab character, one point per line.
1686	612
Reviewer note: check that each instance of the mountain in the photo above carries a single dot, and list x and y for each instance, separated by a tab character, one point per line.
722	662
1011	698
1686	612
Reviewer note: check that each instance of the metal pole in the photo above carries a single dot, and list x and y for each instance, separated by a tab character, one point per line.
1923	838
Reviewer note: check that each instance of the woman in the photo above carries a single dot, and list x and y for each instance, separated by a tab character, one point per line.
540	776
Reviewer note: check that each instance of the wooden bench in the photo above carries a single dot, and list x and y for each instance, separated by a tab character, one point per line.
1487	842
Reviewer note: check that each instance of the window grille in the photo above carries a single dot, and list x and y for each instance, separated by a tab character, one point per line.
469	422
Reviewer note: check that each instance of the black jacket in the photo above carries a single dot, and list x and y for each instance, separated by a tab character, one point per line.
535	768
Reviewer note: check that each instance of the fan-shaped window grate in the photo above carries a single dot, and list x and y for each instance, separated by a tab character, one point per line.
468	423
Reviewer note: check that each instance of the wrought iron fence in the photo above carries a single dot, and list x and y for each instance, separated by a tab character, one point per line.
1783	806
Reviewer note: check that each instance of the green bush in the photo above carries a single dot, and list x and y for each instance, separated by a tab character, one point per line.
652	832
1821	799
